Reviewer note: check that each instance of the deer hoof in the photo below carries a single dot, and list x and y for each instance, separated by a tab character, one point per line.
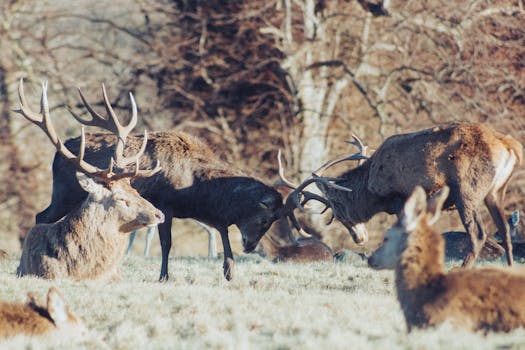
163	278
228	269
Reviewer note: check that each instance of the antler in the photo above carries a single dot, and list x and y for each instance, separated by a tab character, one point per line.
361	155
112	124
293	199
43	121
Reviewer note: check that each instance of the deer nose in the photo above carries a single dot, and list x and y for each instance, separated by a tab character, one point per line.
159	216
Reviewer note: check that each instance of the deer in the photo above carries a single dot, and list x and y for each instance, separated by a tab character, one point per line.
33	318
473	160
194	183
298	250
476	299
89	242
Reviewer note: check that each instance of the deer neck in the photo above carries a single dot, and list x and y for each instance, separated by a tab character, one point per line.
420	269
91	219
363	203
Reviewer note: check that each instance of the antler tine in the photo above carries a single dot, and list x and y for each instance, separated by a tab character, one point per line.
125	161
359	144
96	119
43	121
284	180
357	156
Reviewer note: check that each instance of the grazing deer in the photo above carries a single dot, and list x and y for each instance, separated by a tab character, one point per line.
90	241
193	183
34	319
475	161
487	299
299	250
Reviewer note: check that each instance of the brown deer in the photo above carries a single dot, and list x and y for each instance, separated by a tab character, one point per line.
475	161
90	241
487	299
193	183
296	250
35	319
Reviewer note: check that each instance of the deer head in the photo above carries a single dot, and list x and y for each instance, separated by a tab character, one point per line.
111	186
418	214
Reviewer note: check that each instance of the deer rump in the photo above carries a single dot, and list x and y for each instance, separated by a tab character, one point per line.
473	160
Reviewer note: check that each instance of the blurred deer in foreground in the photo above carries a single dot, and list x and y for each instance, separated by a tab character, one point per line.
90	241
475	161
33	318
487	299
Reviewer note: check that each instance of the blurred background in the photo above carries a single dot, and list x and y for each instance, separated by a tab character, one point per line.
252	77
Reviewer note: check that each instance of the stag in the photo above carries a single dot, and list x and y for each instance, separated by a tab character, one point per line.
193	183
486	299
90	241
475	161
34	318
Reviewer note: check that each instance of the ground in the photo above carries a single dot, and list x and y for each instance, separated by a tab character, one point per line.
340	305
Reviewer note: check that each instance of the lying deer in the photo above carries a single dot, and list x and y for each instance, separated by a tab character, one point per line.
475	161
193	183
297	250
90	241
52	318
476	299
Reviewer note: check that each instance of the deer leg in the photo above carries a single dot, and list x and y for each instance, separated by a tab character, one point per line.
149	238
131	240
492	201
477	235
165	244
228	255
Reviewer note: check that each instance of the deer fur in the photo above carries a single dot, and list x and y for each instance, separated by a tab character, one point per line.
90	242
486	299
34	319
475	161
301	250
193	183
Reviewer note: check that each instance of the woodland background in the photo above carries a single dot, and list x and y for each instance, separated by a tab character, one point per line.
252	77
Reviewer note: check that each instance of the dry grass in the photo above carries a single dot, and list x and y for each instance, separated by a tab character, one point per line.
268	306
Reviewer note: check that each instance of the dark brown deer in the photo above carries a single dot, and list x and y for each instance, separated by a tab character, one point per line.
91	239
485	299
475	161
193	183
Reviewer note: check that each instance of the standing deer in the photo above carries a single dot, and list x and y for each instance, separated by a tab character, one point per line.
33	318
90	241
193	183
487	299
475	161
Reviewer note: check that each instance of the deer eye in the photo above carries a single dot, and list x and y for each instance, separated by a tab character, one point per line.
123	201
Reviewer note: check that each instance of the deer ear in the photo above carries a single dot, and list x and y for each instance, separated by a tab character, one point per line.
91	185
414	209
56	307
435	204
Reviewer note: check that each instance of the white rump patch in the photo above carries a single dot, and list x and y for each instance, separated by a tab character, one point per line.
503	170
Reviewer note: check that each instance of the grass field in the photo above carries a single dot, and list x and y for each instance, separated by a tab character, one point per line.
342	305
